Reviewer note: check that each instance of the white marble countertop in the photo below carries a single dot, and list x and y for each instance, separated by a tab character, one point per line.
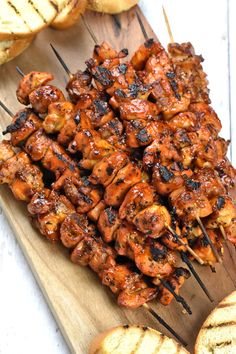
26	323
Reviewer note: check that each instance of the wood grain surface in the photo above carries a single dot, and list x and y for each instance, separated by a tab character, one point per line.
81	306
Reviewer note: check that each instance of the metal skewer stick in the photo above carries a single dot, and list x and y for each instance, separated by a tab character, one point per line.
177	297
65	67
163	323
185	259
6	109
216	254
89	29
20	71
142	26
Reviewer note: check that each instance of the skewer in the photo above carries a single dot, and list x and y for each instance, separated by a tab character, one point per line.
89	29
20	71
177	297
183	255
190	250
216	254
222	230
142	26
168	26
151	311
185	259
196	276
163	323
219	259
6	109
65	67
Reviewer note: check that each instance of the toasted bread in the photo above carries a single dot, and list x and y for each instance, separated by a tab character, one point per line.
24	18
69	13
10	49
218	333
135	340
111	6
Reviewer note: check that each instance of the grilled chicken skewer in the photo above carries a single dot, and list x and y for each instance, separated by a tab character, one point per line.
57	212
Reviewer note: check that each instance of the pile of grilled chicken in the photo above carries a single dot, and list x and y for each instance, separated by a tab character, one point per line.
121	171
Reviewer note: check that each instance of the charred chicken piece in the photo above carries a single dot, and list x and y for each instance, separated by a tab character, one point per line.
226	172
190	204
168	178
11	166
152	220
16	169
50	210
24	123
160	151
176	281
79	85
209	182
94	213
28	181
57	116
82	193
137	109
41	97
203	248
184	120
74	228
224	211
142	132
171	242
149	48
188	68
230	232
108	223
139	197
92	147
105	170
113	127
206	116
29	83
124	180
166	87
6	151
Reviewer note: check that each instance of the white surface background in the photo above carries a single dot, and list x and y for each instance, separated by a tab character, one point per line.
26	323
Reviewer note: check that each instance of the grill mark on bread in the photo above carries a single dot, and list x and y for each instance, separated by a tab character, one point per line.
226	304
18	14
159	344
139	342
37	10
178	348
222	324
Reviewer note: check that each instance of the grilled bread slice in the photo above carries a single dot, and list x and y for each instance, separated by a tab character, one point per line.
24	18
69	13
111	6
10	49
218	333
135	340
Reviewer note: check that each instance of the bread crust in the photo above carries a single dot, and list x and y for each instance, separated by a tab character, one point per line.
74	9
11	49
44	10
212	321
110	6
127	339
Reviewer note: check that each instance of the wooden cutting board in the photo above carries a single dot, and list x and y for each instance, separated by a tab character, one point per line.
81	306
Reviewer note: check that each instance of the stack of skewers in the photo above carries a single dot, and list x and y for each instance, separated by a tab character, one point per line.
129	172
